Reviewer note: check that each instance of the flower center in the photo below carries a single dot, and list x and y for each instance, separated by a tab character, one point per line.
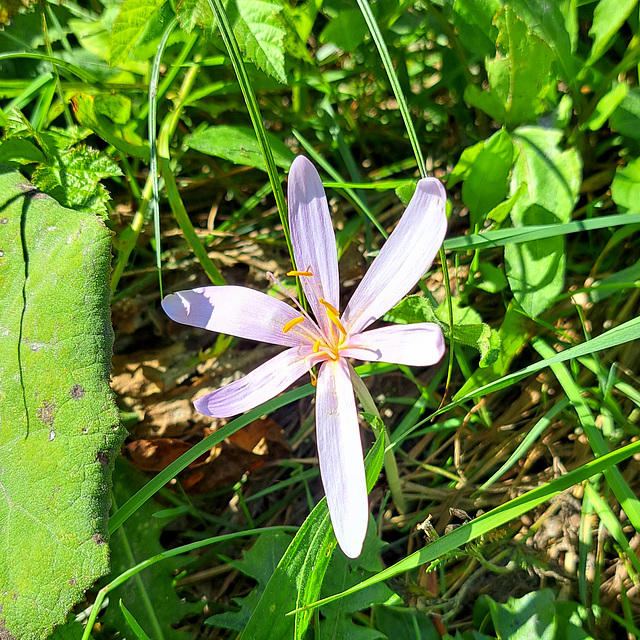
326	343
323	344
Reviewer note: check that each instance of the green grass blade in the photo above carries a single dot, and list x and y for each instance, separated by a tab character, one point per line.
133	623
153	162
81	73
187	548
528	441
502	237
612	524
254	113
186	226
626	332
491	520
351	194
197	450
383	52
625	496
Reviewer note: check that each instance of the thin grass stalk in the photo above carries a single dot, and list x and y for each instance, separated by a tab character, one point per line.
129	573
254	113
487	522
383	52
152	133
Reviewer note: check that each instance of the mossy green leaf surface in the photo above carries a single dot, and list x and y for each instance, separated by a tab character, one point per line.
59	426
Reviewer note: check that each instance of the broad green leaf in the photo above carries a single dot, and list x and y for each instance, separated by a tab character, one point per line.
260	563
238	145
344	573
500	212
463	167
606	106
536	616
522	85
114	106
346	31
19	151
404	622
130	24
487	179
625	188
150	597
468	328
59	426
545	19
405	191
490	278
122	138
531	617
626	118
514	333
608	17
299	575
70	631
298	21
569	9
474	23
552	176
75	179
255	23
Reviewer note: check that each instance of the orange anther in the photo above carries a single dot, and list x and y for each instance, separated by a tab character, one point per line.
292	323
308	274
329	306
334	318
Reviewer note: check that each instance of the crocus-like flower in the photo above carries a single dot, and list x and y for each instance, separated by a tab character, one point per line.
325	337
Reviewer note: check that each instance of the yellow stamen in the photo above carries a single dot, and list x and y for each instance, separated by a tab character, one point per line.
329	306
314	378
334	318
308	274
316	346
292	323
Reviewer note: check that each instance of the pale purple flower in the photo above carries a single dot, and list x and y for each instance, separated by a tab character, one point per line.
327	338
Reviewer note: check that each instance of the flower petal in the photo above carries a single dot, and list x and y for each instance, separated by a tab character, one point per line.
312	237
340	455
417	345
403	259
262	384
236	311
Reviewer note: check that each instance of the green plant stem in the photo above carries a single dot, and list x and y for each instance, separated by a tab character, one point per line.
390	464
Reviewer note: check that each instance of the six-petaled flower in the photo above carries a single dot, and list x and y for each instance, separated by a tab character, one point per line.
324	338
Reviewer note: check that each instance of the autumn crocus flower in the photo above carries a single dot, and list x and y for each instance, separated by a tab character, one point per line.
325	337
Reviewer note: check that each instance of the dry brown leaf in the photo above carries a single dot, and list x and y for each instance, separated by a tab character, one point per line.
158	454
